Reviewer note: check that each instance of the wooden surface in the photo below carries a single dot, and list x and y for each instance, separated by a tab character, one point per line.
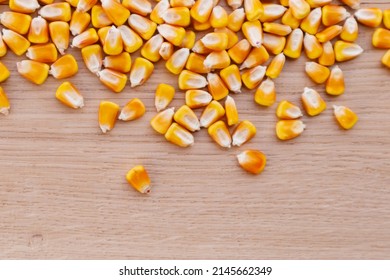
324	195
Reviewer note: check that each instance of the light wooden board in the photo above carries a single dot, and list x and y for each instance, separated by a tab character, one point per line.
323	195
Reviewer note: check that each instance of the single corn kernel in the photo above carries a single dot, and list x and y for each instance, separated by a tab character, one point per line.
141	7
239	52
196	98
216	86
143	26
179	16
386	59
333	14
350	30
318	3
4	103
335	85
217	60
16	42
201	26
139	179
289	129
253	32
294	44
288	111
256	57
371	17
201	10
158	11
329	33
386	18
252	161
114	80
24	6
276	66
69	95
4	72
346	51
181	3
185	117
102	34
219	132
212	113
244	132
316	72
191	80
179	136
120	62
113	44
79	22
289	19
313	48
253	9
86	38
108	112
200	48
218	17
299	8
59	34
65	67
17	22
232	36
39	31
163	96
140	72
381	38
173	34
253	77
236	19
215	41
327	57
134	109
273	43
276	28
99	17
166	50
131	40
34	71
312	102
85	5
235	4
56	12
163	120
176	63
232	78
354	4
312	22
46	53
195	63
345	117
189	40
115	11
93	57
272	12
266	94
231	111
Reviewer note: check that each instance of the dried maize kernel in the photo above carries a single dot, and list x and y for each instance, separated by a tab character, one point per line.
4	103
386	59
143	26
39	31
113	44
191	80
139	179
102	34
231	111
201	10
185	117
381	38
24	6
350	30
329	33
179	16
16	42
317	73
313	48
196	98
4	72
266	94
289	19
115	11
312	102
195	63
294	44
69	95
219	132
312	22
253	77
335	85
99	17
218	17
175	64
239	52
289	129
256	57
65	67
212	113
34	71
59	34
216	86
288	111
114	80
86	38
346	51
386	18
140	72
276	28
215	41
134	109
354	4
299	8
252	161
273	43
333	14
235	4
327	57
179	136
163	96
276	66
201	26
85	5
232	36
141	7
371	17
244	132
272	12
189	40
120	62
93	57
131	40
108	112
318	3
253	32
232	78
17	22
166	50
181	3
46	53
56	12
79	22
217	60
253	9
200	48
345	117
162	120
173	34
158	11
236	19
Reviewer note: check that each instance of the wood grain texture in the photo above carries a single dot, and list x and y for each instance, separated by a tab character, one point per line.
324	195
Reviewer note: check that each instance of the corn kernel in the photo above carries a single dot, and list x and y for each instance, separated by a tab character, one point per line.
329	33
141	7
256	57
73	3
216	86
327	57
218	17
289	19
217	60
294	44
236	19
215	41
69	95
191	80
162	120
195	63
276	28
235	4
4	72
151	49
231	111
39	31
143	26
253	32
181	3
244	132
140	72
232	36
312	22
108	112
350	30
335	85
312	102
273	43
35	72
179	16
345	117
196	98
288	111
24	6
99	17
16	42
4	103
386	59
65	67
346	51
173	34
201	10
272	12
333	14
299	8
219	132
381	38
59	34
276	66
139	179
252	161
212	113
253	9
232	78
318	3
253	77
115	11
134	109
56	12
289	129
166	50
354	4
46	53
114	80
317	73
371	17
176	63
185	117
179	136
93	57
158	11
239	52
17	22
163	96
201	26
266	94
131	40
120	62
386	18
86	38
189	40
200	48
313	48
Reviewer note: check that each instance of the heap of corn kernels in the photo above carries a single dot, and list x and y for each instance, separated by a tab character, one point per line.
219	60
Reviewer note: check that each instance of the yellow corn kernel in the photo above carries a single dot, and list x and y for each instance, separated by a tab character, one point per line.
232	36
176	63
141	71
93	57
273	43
113	11
5	106
134	109
195	63
219	132
381	38
386	18
276	28
102	33
191	80
17	22
253	77
235	4
73	3
108	112
59	34
252	161
141	7
327	57
312	22
345	117
312	102
39	31
56	12
289	129
181	3
113	44
371	17
200	48
4	72
218	17
232	78
163	120
266	94
236	19
143	26
139	179
201	10
24	6
69	95
86	38
350	30
114	80
253	32
16	42
386	59
335	85
217	60
131	40
196	98
346	51
318	3
99	17
163	96
166	50
173	34
79	22
85	5
34	71
231	111
189	40
288	111
212	113
239	52
201	26
65	67
289	19
313	48
276	66
253	9
244	132
294	44
318	73
185	117
333	14
179	136
272	12
120	62
329	33
158	11
256	57
46	53
354	4
299	8
179	16
215	41
216	86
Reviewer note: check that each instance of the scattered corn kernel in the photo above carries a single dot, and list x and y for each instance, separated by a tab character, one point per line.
381	38
371	17
299	8
272	12
253	9
151	49
181	3
69	95
327	57
114	80
39	31
93	57
120	62
212	113
231	111
216	86
196	98
143	26
59	34
4	72
166	50
232	36
329	33
253	77
294	44
317	73
201	10
189	40
354	4
24	6
345	117
386	59
217	60
163	96
159	10
239	52
312	102
17	22
191	80
16	42
215	41
46	53
200	48
34	71
131	40
86	38
79	22
252	161
346	51
313	48
134	109
244	132
235	4
386	18
173	34
253	32
65	67
333	14
179	16
108	112
289	19
236	19
232	78
219	132
139	179
335	85
256	57
266	94
99	17
288	111
276	66
162	120
273	43
179	136
218	17
289	129
4	103
350	30
201	26
176	63
276	28
56	11
140	72
195	63
185	117
312	22
141	7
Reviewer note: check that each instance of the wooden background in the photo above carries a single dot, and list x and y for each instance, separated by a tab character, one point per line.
324	195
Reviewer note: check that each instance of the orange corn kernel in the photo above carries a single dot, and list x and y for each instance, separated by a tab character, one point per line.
346	51
345	117
333	14
166	50
99	17
131	40
195	63
317	73
253	77
85	5
141	7
218	17
108	112
212	113
185	117
56	12
232	36
273	43
276	66
329	33
313	48
65	67
24	6
236	19
252	161
173	34
176	63
4	72
239	52
256	57
253	9
312	22
39	31
232	78
59	34
354	4
139	179
17	22
201	10
299	8
4	103
16	42
288	111
386	59
162	120
294	44
163	96
231	111
244	132
191	80
196	98
219	132
134	109
189	40
46	53
179	16
114	80
34	71
216	86
86	38
335	85
266	94
79	22
276	28
179	136
381	38
312	102
253	32
159	10
371	17
350	30
289	19
120	62
69	95
215	41
327	57
143	26
141	71
289	129
93	57
217	60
